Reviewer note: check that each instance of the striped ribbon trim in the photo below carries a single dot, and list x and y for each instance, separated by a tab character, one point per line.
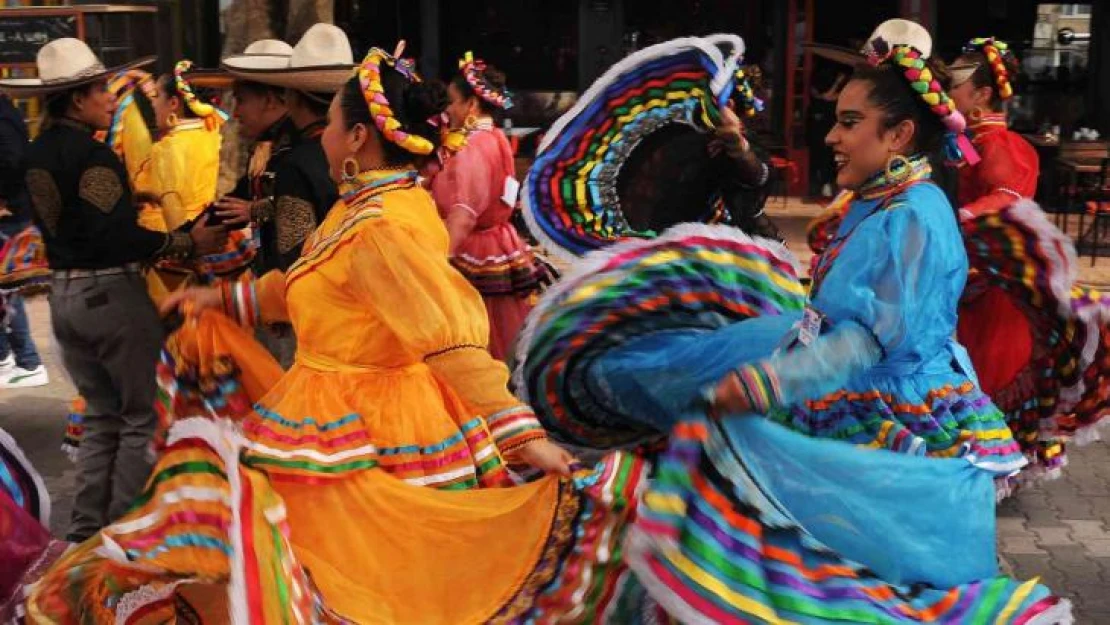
240	302
761	386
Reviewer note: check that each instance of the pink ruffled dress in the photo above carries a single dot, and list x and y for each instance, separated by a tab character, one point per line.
472	184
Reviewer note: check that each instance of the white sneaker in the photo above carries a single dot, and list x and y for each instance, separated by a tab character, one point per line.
7	365
25	378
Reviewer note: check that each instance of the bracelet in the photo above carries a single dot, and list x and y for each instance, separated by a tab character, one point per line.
262	210
177	246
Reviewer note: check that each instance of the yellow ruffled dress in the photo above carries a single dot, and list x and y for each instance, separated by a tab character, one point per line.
174	179
346	491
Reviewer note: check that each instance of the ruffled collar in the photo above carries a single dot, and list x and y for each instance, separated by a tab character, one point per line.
375	182
985	123
885	184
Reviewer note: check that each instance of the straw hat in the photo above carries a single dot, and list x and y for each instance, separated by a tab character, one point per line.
888	34
64	64
321	62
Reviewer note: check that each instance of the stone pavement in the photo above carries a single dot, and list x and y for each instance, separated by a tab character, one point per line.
1059	530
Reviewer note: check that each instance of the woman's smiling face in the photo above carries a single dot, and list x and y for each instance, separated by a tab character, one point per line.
861	143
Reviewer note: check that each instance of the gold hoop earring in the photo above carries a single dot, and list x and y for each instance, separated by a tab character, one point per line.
172	119
897	168
470	123
975	114
351	169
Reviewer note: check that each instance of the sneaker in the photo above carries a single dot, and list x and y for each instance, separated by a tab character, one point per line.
25	378
7	364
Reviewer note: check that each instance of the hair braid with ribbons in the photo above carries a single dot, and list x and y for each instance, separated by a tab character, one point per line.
746	99
997	52
211	115
957	147
370	80
473	72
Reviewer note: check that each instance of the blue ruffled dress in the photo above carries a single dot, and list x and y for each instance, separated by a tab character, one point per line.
867	493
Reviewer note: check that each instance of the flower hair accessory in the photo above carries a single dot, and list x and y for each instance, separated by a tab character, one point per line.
211	115
473	71
370	80
958	148
996	52
745	96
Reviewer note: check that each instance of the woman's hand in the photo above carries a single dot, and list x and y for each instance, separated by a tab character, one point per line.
234	211
197	299
729	398
729	135
545	456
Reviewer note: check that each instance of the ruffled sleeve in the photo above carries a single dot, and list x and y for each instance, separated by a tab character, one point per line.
463	189
256	301
135	143
169	176
880	300
404	278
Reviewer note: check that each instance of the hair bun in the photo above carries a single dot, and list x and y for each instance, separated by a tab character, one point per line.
423	100
494	77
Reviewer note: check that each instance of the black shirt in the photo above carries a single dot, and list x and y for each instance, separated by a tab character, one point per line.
13	148
82	204
292	196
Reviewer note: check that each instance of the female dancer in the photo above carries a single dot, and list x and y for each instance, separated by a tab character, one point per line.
222	510
476	196
1034	350
618	353
175	176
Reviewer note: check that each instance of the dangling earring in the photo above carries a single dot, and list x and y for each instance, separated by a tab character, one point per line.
470	123
351	169
975	114
171	119
897	169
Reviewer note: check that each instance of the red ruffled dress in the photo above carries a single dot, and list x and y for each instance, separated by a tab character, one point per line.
992	327
493	257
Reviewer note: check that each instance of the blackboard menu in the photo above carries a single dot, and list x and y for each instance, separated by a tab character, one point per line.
21	36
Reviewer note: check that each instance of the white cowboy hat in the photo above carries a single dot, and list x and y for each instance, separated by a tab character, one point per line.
262	54
321	62
896	32
64	64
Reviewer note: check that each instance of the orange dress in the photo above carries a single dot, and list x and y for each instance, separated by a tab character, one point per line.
296	513
493	257
392	367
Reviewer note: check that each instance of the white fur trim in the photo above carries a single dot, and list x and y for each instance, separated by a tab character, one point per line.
1059	614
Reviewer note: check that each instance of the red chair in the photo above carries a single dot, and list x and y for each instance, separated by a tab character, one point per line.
782	168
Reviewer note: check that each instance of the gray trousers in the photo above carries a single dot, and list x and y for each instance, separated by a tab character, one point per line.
110	337
280	342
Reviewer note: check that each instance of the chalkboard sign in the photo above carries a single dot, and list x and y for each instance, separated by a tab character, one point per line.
21	36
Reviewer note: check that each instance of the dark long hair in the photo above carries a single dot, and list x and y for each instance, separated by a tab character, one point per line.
494	78
671	178
983	76
892	95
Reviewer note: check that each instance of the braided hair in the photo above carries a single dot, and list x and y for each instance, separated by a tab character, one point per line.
927	80
998	72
